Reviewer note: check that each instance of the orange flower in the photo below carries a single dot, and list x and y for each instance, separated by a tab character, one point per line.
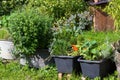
74	48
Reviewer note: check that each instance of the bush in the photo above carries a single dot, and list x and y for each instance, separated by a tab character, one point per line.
29	30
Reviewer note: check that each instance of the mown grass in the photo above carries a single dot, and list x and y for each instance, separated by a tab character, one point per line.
14	71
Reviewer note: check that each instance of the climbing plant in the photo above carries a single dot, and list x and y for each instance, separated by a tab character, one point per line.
113	8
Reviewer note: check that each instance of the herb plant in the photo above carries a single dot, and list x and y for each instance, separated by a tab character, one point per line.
92	50
62	42
97	45
29	30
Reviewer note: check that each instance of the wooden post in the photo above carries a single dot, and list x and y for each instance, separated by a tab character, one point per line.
68	76
83	78
60	75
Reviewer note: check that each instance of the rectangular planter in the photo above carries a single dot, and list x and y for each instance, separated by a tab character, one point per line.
94	69
67	64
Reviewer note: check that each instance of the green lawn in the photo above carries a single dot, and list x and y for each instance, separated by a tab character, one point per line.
14	71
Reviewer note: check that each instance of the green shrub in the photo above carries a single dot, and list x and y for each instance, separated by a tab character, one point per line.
29	30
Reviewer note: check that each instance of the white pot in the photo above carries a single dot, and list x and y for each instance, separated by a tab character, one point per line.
6	48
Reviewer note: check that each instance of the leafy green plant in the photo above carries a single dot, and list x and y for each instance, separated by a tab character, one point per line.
62	42
92	50
113	9
66	33
97	45
29	30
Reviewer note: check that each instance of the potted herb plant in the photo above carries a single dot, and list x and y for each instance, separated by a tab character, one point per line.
64	52
96	59
64	48
29	30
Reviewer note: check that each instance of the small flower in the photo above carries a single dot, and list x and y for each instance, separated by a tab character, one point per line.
74	48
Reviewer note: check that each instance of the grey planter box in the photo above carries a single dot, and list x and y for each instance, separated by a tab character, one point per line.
94	69
67	64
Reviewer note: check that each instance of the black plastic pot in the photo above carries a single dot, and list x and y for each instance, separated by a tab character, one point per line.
67	64
94	69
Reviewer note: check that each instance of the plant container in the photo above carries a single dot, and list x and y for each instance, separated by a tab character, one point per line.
94	69
6	49
67	64
40	59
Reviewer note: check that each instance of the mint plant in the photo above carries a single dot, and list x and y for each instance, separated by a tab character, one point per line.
29	30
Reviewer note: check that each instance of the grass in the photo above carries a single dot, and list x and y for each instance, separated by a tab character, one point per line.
14	71
102	36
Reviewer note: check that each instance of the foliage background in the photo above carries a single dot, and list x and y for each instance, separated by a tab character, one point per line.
7	6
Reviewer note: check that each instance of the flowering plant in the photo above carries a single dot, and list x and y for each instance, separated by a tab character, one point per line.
66	33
